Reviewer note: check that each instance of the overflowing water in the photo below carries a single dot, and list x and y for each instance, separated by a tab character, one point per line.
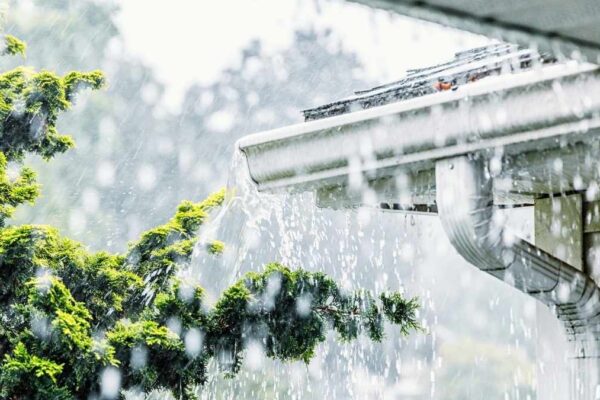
237	224
362	248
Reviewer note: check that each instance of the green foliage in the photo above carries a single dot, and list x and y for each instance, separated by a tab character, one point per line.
14	46
68	314
160	346
399	311
75	81
30	376
30	103
100	309
71	320
19	190
215	247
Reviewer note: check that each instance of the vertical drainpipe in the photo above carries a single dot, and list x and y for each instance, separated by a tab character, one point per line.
465	207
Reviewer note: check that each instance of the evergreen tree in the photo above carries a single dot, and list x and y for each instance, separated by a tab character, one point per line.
71	319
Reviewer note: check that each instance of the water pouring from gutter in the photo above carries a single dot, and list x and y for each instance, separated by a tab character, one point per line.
257	227
443	143
237	225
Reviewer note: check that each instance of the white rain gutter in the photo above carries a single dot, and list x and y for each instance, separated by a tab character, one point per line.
533	117
414	133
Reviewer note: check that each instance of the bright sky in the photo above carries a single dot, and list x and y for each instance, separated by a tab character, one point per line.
193	40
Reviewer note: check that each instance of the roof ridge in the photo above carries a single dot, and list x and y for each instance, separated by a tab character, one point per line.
466	66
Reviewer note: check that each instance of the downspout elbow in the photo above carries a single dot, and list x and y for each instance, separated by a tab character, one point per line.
465	206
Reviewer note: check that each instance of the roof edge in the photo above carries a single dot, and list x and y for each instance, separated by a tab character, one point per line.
546	41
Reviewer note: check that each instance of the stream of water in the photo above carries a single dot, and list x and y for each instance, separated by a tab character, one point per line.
477	329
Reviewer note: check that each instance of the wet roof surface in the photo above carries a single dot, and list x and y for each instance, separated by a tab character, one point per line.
466	66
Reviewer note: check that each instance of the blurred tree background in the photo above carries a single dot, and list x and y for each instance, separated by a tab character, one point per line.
135	159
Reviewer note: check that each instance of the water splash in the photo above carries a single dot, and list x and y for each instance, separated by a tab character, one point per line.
358	248
238	224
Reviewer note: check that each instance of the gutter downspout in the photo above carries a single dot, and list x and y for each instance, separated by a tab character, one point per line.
465	206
